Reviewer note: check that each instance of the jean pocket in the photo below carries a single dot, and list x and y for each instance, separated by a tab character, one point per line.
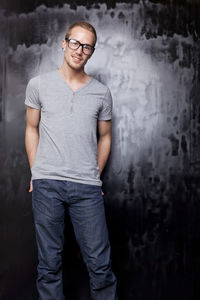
35	183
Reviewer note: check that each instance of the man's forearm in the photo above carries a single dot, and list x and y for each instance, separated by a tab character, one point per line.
31	143
104	146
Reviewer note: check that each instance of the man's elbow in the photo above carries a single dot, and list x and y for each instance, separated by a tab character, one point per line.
106	138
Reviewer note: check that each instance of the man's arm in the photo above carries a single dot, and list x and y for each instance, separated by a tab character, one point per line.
32	135
104	144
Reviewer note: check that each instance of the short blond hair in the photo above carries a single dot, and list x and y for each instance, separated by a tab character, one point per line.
84	25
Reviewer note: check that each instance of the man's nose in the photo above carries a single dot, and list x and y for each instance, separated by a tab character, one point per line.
79	50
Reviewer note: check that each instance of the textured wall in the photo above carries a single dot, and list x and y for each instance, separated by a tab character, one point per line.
148	54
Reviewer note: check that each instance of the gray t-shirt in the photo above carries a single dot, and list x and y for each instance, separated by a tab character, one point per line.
67	148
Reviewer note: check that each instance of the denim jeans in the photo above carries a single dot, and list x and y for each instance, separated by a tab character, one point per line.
85	205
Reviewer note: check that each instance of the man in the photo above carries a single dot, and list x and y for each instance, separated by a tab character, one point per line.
65	108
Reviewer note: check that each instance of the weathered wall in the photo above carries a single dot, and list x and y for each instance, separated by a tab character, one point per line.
148	54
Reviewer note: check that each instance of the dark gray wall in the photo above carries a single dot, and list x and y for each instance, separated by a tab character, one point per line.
148	54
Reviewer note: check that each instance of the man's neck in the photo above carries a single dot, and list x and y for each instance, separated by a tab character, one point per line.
71	75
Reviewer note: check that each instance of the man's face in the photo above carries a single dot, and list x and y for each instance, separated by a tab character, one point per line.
76	59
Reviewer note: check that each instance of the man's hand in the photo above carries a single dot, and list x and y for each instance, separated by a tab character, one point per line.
102	193
31	187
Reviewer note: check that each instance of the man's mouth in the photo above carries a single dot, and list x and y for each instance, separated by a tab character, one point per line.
78	59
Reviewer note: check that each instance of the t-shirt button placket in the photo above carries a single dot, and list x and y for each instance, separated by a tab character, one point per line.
72	102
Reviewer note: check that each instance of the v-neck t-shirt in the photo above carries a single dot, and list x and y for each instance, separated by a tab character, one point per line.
67	148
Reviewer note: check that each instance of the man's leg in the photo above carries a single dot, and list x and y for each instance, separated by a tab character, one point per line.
86	209
48	211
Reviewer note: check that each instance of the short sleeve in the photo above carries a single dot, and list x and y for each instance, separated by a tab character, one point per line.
106	110
32	94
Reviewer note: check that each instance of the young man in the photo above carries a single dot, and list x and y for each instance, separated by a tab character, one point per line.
65	108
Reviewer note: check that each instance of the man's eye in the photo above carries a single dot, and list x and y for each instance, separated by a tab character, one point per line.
87	47
74	42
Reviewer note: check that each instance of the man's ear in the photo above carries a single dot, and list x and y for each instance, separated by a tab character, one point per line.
64	44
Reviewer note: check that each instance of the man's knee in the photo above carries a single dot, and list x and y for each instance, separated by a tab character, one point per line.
50	268
101	275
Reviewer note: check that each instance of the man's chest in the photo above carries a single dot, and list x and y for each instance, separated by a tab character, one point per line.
56	104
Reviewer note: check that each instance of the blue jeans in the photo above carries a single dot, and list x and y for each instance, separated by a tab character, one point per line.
85	205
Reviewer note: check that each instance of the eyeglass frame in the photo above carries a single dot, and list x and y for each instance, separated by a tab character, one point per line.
80	44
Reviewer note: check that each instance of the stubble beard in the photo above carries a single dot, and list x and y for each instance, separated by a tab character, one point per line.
74	66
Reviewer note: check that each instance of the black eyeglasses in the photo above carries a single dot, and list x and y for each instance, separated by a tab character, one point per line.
74	45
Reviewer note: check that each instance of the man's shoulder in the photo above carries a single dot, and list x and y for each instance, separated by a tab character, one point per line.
42	77
98	86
